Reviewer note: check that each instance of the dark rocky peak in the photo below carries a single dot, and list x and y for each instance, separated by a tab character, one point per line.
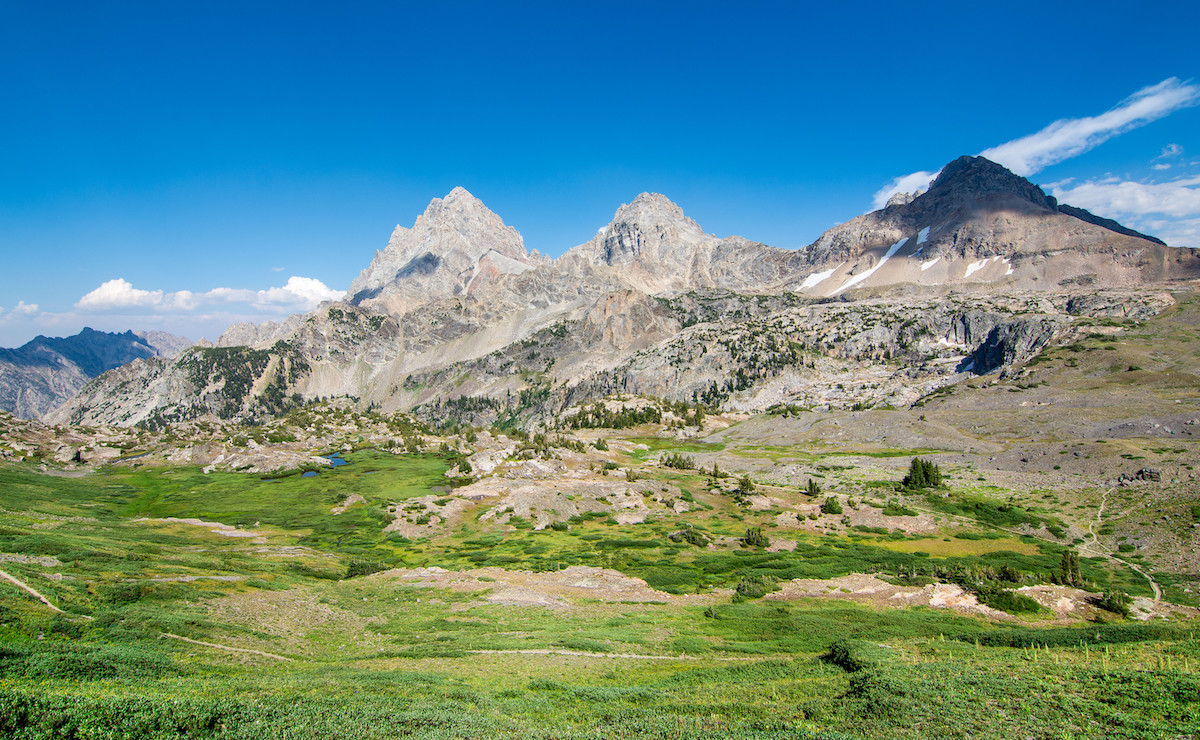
977	179
92	351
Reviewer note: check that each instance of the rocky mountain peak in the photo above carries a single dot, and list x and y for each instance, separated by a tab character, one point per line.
649	227
454	246
458	206
978	178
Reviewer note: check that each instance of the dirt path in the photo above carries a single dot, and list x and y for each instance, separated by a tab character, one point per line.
224	647
37	594
1086	547
1090	547
582	654
1099	514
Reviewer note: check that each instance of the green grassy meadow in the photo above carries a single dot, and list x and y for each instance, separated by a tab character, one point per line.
173	630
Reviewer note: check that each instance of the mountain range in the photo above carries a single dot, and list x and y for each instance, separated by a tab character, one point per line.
39	375
456	318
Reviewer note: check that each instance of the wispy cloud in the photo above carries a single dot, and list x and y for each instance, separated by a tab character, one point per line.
300	293
903	184
1071	137
1169	210
1169	151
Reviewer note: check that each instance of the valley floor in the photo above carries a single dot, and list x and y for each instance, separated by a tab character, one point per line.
608	583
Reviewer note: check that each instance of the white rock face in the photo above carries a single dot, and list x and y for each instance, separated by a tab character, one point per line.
455	247
259	335
653	247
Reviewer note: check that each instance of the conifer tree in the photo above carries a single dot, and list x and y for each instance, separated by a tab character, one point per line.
922	474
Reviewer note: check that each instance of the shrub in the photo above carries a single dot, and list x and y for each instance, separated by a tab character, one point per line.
755	538
754	587
1114	601
690	536
853	656
1010	602
359	567
831	505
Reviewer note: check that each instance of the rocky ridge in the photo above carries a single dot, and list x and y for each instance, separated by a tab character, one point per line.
455	307
38	376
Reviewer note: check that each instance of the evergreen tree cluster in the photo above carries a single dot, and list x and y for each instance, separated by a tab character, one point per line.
679	461
755	538
922	474
598	416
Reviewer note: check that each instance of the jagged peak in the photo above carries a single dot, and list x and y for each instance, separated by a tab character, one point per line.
654	212
975	177
648	203
457	202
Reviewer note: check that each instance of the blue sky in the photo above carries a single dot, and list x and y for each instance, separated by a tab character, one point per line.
186	165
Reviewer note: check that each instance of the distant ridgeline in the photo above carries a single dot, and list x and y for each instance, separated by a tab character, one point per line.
975	275
38	376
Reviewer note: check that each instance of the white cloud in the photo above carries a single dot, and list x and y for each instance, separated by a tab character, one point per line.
299	294
1177	198
1071	137
1162	166
903	184
276	269
308	291
1170	150
119	293
1169	210
22	310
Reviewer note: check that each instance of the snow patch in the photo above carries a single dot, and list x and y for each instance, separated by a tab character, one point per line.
817	278
926	265
861	277
975	267
923	235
